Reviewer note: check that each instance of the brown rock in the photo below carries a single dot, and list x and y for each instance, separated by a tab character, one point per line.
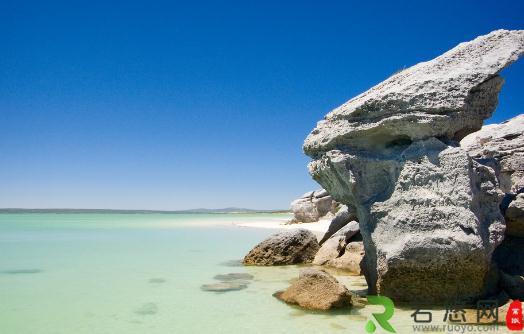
316	290
287	247
351	260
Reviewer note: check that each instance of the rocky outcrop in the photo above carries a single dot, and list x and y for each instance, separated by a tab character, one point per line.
428	212
335	246
351	259
343	217
501	146
316	290
313	206
287	247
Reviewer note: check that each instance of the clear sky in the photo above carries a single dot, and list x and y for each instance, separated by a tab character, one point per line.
171	105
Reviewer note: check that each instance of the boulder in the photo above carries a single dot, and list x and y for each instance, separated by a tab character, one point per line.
316	290
502	147
428	212
343	216
351	259
336	244
313	206
287	247
514	215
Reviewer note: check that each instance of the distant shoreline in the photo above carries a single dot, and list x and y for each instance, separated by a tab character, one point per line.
119	211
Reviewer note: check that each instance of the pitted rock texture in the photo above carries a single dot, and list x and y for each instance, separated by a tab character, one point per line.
344	216
313	206
336	244
429	213
447	97
287	247
501	146
316	290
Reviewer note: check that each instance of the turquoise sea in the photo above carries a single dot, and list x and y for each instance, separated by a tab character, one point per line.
142	273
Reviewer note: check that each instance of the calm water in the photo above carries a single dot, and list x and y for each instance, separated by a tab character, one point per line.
142	273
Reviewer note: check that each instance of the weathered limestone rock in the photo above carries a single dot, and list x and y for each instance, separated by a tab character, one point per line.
344	216
336	244
287	247
502	147
351	259
316	290
429	213
313	206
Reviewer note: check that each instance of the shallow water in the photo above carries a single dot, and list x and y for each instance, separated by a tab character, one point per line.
142	273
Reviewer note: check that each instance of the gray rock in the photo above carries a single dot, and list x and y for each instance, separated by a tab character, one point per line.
515	217
287	247
233	277
224	286
343	216
316	290
313	206
429	213
502	147
447	97
351	260
336	244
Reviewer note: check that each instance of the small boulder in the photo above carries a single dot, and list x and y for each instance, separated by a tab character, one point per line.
287	247
335	245
316	290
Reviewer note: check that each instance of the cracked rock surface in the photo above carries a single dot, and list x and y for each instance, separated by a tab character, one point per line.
428	212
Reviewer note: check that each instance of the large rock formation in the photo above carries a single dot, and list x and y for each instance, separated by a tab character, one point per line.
287	247
316	290
429	213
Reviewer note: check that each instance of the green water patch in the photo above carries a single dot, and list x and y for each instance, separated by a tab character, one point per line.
232	263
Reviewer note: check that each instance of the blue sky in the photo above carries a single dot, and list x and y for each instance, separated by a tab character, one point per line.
171	105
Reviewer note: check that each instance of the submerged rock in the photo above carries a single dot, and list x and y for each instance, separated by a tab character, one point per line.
233	277
316	290
287	247
147	309
224	286
429	213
